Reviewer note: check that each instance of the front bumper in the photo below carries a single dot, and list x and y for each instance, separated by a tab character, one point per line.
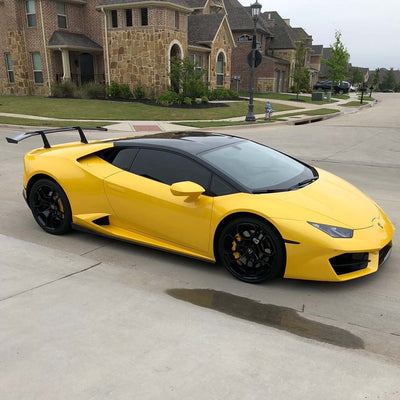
312	257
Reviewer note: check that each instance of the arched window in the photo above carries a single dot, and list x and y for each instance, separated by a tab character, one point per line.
220	69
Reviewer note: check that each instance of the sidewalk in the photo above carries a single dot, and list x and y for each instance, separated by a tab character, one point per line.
144	127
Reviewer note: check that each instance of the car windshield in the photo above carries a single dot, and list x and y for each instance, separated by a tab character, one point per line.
259	168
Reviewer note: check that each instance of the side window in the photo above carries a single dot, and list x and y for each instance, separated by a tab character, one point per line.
219	187
124	158
120	158
169	168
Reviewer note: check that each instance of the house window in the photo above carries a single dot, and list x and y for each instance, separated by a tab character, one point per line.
197	61
177	19
144	13
10	71
37	68
30	12
128	17
114	19
61	15
220	69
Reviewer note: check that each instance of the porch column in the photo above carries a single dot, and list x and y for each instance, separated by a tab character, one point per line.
66	66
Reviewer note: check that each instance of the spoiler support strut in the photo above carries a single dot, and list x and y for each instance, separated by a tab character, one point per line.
43	133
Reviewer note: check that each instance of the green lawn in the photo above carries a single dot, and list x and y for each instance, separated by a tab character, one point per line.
37	122
293	97
353	104
215	124
118	110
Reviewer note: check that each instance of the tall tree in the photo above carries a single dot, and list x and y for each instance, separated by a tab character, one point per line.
301	73
337	65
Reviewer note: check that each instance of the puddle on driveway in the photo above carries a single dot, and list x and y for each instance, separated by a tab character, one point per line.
284	318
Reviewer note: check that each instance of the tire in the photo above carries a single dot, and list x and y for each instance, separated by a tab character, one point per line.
251	250
50	207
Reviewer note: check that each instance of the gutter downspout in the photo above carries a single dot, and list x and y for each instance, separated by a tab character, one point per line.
44	46
106	39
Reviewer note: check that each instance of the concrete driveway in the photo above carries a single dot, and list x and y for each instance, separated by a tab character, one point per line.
84	317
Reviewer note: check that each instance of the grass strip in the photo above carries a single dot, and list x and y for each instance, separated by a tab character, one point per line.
122	110
50	123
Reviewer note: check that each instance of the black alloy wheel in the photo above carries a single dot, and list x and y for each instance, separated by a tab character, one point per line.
251	250
50	207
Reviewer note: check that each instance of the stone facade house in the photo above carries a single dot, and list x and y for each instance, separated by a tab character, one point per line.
127	41
141	37
43	41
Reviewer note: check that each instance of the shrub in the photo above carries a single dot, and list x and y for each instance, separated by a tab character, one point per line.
139	92
124	91
187	101
233	94
113	90
204	100
63	89
219	94
168	98
93	90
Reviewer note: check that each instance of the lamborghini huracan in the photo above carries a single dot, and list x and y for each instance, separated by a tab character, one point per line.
258	212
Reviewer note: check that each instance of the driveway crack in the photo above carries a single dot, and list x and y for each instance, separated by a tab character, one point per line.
50	282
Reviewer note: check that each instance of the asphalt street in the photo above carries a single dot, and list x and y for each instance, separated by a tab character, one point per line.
86	317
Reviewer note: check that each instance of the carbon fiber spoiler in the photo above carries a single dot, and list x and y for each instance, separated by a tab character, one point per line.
43	133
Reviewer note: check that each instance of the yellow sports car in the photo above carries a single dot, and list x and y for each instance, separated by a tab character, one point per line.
258	212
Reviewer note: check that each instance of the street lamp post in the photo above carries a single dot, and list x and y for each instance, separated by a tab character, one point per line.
255	12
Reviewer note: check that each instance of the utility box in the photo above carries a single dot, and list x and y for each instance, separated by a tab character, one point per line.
317	96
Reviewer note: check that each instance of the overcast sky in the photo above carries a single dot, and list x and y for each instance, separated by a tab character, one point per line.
370	29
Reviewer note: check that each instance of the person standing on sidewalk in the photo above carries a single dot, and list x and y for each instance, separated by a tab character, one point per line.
268	111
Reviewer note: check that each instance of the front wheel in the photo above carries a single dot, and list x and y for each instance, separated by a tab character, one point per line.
50	207
251	250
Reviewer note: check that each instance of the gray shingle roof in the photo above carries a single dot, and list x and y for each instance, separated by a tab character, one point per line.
240	19
196	3
281	32
181	3
73	40
317	49
203	27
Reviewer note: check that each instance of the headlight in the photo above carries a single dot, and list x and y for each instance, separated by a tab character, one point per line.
333	231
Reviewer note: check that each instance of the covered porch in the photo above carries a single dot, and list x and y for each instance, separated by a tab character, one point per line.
76	58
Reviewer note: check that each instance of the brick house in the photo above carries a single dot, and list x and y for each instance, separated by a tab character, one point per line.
43	41
271	75
284	42
127	41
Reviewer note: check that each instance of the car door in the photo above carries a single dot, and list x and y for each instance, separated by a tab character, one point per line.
142	200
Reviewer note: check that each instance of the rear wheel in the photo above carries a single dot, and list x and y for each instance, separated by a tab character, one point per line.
251	250
50	207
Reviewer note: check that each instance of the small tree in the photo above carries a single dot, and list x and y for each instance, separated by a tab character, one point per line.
337	65
186	79
301	74
357	76
375	81
388	81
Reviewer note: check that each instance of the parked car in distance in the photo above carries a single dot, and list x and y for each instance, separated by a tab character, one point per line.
341	87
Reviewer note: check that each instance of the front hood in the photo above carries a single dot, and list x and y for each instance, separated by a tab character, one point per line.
333	198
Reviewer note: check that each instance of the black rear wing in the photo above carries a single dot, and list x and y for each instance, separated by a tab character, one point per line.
43	133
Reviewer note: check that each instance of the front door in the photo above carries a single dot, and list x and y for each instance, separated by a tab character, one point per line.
86	64
142	200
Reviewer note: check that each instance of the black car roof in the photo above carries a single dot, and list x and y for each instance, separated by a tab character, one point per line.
189	142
